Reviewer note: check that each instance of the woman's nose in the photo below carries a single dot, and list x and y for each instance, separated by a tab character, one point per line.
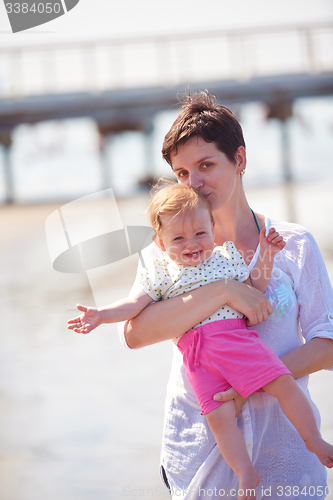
195	181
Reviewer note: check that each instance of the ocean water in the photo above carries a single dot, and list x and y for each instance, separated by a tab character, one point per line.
81	416
62	159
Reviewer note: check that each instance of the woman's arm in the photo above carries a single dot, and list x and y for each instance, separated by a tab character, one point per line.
171	318
315	299
315	355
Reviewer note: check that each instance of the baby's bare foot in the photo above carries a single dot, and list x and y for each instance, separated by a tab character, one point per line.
248	482
323	450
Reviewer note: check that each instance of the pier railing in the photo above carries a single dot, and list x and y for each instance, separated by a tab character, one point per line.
96	65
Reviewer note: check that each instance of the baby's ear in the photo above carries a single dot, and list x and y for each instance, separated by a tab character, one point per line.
160	244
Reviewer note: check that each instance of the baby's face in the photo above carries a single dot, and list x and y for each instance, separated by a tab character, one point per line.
188	238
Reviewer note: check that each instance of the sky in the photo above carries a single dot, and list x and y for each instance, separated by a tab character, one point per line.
109	18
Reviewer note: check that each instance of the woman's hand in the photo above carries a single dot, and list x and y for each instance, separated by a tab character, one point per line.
249	301
231	394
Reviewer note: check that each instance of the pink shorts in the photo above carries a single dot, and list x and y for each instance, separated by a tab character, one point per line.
225	354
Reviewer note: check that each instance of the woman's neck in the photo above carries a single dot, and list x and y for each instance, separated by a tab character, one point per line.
237	224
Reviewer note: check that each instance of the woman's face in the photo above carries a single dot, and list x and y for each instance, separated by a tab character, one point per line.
202	166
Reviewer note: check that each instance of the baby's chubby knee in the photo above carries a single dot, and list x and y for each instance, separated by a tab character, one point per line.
225	412
281	384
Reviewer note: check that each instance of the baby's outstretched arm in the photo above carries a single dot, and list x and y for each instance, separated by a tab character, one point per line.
121	310
269	245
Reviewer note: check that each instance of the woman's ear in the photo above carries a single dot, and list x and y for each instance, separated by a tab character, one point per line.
240	159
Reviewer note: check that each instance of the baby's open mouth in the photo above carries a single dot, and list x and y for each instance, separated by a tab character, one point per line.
193	255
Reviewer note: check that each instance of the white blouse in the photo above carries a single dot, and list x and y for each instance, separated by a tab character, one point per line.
301	295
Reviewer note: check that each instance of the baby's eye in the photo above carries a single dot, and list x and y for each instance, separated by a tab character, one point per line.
178	238
200	233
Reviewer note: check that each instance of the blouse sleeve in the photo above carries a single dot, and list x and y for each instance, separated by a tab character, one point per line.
314	291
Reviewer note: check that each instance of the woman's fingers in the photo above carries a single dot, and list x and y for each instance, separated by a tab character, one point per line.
249	301
239	403
226	395
231	394
265	310
259	310
256	317
264	315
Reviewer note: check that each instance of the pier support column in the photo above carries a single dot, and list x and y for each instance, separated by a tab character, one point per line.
149	150
6	142
285	151
283	112
149	176
105	140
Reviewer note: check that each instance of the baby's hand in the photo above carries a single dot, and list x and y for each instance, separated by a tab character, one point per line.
90	319
272	243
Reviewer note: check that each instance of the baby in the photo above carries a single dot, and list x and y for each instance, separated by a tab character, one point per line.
219	352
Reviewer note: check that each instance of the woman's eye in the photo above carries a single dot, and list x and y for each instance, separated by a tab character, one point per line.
206	165
183	173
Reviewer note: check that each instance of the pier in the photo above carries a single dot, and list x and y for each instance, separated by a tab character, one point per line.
122	84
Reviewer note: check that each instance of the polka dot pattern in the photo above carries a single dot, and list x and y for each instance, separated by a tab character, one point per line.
163	279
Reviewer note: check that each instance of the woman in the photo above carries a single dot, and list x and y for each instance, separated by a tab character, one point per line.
206	150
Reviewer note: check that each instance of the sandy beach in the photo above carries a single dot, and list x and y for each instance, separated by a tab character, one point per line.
81	417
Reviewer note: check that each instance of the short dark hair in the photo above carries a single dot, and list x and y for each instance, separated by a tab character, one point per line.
202	116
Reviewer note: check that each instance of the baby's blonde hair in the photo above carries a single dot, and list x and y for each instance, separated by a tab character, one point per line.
171	198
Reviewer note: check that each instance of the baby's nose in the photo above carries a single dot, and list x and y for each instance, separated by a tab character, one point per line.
191	243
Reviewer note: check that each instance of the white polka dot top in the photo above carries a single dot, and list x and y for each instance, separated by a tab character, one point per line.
163	279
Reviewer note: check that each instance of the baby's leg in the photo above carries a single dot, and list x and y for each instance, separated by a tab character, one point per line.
297	409
231	444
